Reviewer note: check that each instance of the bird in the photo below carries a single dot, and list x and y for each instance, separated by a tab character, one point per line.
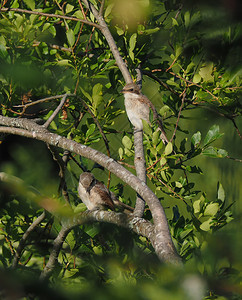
95	195
138	108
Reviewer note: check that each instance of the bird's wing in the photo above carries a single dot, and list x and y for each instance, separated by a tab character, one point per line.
101	195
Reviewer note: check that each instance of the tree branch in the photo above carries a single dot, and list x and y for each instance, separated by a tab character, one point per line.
24	238
139	162
25	11
128	221
28	128
110	40
58	108
139	157
57	245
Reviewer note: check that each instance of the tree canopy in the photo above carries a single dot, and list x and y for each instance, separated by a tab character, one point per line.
63	65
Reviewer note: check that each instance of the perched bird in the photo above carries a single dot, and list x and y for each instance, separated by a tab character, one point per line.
95	195
138	108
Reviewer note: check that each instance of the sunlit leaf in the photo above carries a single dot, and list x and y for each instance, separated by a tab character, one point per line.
69	8
211	209
205	226
30	4
168	149
221	192
206	72
196	139
70	37
212	135
126	141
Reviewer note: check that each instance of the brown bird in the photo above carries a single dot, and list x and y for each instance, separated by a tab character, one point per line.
138	108
95	195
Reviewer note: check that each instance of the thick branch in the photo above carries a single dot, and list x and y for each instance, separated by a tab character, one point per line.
138	225
35	131
139	162
139	157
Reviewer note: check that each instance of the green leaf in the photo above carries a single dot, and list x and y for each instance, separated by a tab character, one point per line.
120	152
70	273
197	78
30	4
69	8
197	206
63	62
126	141
168	149
222	153
205	226
90	130
155	137
86	94
15	4
108	10
210	151
187	18
71	240
149	31
120	31
206	72
147	129
196	139
174	22
70	37
163	161
92	231
132	43
221	192
178	51
211	209
212	135
97	94
79	208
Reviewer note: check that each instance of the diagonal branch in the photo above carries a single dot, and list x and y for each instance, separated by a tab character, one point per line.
110	40
55	113
24	238
28	128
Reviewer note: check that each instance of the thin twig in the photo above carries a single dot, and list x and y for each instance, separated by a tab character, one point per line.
41	101
179	114
51	16
84	15
53	258
236	127
151	75
235	159
55	113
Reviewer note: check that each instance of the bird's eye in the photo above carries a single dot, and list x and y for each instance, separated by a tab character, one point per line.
131	90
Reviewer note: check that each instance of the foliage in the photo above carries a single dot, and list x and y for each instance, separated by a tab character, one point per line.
46	55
